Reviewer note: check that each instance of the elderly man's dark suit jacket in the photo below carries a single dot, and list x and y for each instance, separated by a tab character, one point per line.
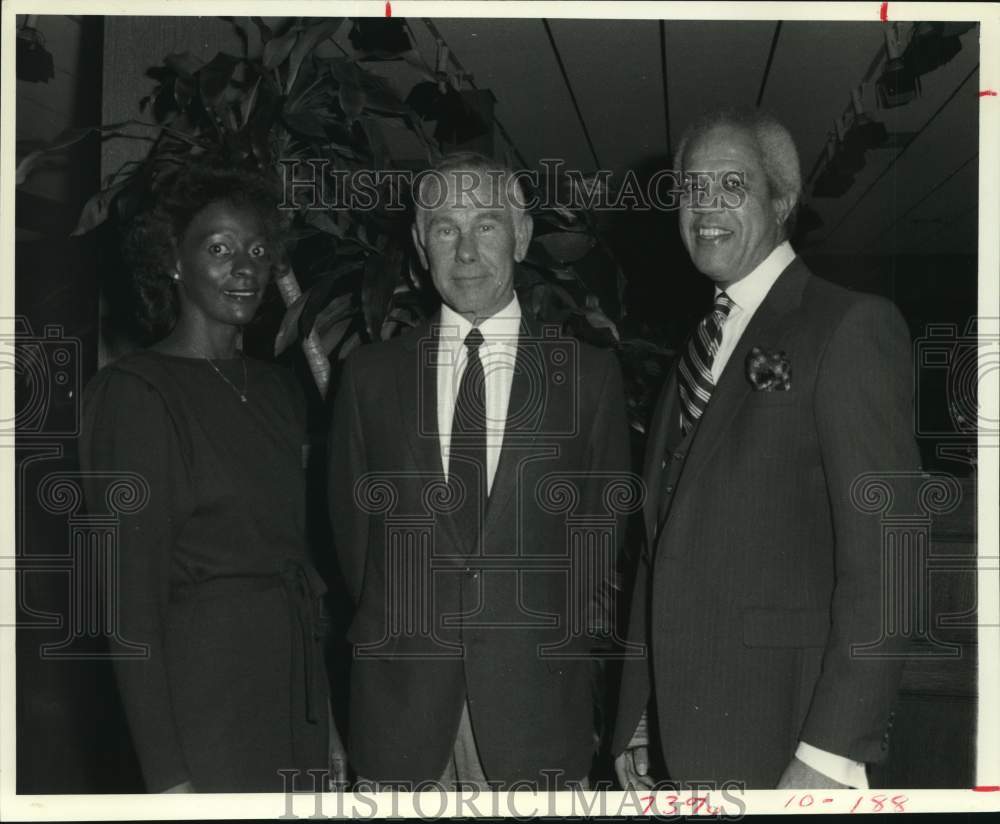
760	572
565	439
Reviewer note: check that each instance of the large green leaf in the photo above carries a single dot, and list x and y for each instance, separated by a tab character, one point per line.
214	77
304	123
336	333
308	40
376	141
95	211
277	49
183	89
566	247
322	221
247	104
183	64
265	30
380	279
241	33
68	138
333	313
596	318
289	329
349	344
352	100
380	97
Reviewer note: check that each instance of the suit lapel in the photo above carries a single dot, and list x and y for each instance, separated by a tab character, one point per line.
416	378
733	387
656	448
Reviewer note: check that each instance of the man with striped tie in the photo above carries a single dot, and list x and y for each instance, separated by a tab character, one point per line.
759	575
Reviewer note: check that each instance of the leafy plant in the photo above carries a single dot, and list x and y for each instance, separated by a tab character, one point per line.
352	277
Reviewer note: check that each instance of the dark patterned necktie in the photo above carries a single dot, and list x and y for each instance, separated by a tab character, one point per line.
694	374
467	458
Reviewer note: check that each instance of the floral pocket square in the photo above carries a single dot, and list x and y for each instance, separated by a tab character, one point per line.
768	371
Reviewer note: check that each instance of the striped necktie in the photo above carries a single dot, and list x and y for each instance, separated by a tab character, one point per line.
694	374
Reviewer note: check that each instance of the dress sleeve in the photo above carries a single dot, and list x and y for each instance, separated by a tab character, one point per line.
128	428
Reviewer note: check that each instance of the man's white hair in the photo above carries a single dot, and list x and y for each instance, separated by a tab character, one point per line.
775	148
473	163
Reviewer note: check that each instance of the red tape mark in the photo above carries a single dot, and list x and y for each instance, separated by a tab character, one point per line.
883	13
388	8
987	93
986	789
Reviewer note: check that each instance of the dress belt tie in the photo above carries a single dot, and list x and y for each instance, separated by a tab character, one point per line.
303	589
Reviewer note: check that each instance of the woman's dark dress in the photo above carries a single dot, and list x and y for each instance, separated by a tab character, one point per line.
214	571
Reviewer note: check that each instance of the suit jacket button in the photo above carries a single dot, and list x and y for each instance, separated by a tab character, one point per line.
668	489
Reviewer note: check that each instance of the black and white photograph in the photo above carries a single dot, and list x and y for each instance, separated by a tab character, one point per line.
499	409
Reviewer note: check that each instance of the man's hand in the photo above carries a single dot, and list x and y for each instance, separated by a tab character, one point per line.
632	767
800	776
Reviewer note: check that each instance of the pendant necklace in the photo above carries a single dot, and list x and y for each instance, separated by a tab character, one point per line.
243	393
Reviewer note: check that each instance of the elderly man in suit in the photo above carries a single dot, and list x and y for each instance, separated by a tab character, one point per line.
762	581
460	453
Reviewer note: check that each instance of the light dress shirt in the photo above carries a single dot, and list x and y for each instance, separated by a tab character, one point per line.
498	354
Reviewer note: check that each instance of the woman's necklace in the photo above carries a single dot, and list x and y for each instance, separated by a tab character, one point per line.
242	393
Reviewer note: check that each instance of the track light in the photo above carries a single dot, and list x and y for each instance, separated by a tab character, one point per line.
929	48
380	35
864	131
898	84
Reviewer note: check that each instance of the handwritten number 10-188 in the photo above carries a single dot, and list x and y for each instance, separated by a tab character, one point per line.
880	803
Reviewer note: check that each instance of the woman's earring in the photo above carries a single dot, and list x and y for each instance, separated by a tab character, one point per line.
176	276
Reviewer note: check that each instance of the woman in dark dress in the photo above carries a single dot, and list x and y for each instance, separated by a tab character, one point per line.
214	570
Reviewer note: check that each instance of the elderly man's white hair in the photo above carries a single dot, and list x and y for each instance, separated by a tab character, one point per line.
473	163
778	156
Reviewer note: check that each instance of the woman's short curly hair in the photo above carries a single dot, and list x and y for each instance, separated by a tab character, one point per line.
176	196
